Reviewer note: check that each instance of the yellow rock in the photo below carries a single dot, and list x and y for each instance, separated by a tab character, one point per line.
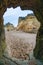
29	24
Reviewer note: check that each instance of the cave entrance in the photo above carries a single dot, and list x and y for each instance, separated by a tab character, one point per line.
15	22
36	6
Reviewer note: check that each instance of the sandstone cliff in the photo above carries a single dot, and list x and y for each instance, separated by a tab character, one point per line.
28	24
9	26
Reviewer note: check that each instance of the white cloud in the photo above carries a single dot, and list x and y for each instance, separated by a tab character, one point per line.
11	11
16	11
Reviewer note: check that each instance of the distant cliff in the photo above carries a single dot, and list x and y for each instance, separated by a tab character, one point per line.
28	23
8	26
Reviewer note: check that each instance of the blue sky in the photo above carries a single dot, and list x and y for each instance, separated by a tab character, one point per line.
12	15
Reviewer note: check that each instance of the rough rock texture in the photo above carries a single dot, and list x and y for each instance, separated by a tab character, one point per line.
37	7
9	26
28	24
20	45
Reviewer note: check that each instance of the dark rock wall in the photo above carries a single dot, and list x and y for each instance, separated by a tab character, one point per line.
37	7
2	38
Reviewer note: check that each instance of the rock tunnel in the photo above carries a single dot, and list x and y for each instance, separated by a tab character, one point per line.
37	7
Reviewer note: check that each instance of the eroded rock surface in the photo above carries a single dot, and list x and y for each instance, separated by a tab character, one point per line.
37	7
20	45
28	24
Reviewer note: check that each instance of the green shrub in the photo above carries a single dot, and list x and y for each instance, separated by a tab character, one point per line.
1	62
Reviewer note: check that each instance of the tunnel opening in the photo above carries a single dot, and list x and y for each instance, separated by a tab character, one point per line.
34	5
20	20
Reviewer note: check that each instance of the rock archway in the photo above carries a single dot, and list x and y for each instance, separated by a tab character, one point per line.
37	7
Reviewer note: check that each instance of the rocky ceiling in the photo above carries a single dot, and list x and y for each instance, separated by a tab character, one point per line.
37	7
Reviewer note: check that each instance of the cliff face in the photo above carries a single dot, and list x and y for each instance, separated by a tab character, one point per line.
28	24
37	7
9	27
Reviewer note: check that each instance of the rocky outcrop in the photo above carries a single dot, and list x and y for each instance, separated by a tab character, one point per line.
20	45
37	7
9	27
28	24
